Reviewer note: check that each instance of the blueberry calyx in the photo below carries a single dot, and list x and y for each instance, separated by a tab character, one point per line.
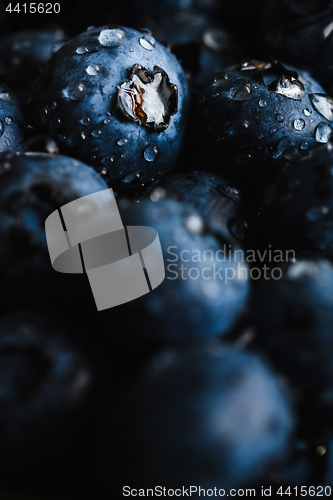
150	100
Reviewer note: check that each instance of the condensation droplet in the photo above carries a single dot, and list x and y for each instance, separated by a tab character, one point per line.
96	133
5	96
93	69
112	37
323	104
75	91
298	124
150	153
82	50
243	93
148	42
122	142
85	121
323	132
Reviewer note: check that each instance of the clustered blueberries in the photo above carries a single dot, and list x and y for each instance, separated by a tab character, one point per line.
212	123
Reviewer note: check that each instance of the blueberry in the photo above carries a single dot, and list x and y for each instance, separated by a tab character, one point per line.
301	32
259	113
23	54
214	417
297	208
293	317
33	185
116	99
211	195
206	288
12	121
46	384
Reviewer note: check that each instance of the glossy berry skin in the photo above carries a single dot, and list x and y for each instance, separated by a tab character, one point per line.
216	199
12	121
23	54
33	185
194	302
297	211
301	32
293	318
258	114
214	416
96	98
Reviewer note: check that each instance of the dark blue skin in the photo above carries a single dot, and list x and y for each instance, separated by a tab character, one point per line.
298	31
214	417
47	384
23	54
254	119
297	211
184	309
33	185
12	121
211	195
293	318
122	147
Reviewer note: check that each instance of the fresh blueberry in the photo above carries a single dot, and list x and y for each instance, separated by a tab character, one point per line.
13	124
300	32
259	113
23	54
214	417
116	99
33	185
46	384
293	317
211	195
206	286
297	211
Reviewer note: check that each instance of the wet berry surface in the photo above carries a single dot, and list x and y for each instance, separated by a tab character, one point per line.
211	122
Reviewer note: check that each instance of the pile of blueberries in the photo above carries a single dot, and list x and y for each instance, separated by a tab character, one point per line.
212	123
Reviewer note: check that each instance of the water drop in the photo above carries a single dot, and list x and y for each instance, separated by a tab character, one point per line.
8	120
82	50
279	118
288	87
132	178
96	133
298	124
150	153
122	142
85	120
93	69
243	93
112	37
221	79
148	42
75	91
323	132
5	96
262	103
323	104
307	112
